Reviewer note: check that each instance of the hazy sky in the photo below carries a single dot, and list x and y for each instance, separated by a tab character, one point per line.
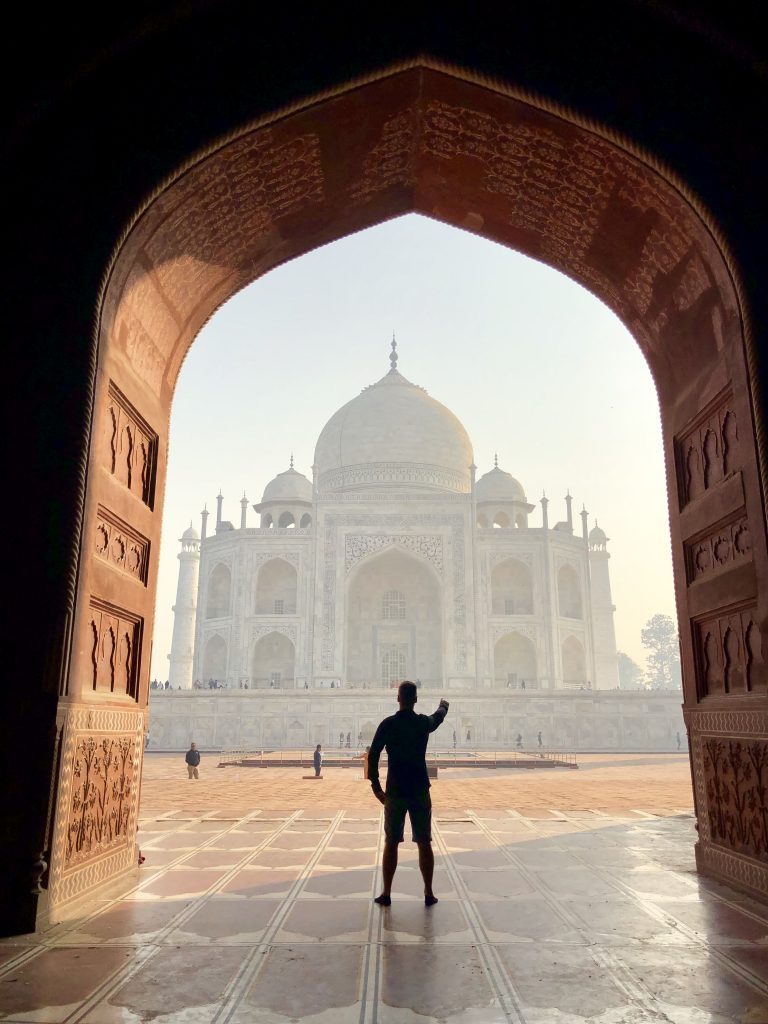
533	365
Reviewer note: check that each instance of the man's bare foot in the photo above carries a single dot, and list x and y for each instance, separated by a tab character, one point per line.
384	900
430	900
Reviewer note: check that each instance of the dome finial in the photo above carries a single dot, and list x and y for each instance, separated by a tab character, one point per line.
393	355
495	460
291	460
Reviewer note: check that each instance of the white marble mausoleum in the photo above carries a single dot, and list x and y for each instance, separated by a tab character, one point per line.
395	560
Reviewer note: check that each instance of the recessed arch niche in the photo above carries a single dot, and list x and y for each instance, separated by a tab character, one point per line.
276	586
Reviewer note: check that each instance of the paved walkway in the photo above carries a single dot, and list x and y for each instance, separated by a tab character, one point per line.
548	917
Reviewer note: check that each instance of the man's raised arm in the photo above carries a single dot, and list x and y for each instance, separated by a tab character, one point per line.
436	719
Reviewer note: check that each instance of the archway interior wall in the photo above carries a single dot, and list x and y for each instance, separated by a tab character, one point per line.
431	142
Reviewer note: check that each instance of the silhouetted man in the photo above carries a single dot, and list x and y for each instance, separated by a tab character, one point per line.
405	736
317	760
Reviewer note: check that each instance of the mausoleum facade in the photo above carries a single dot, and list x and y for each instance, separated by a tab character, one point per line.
394	561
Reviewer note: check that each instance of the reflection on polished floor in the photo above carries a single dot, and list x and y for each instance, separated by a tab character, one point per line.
549	918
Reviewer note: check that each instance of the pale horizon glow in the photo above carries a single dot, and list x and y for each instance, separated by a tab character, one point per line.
534	366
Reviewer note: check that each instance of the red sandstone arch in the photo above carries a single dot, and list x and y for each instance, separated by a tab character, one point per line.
478	157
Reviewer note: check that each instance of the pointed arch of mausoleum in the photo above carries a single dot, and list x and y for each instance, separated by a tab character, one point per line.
215	659
514	169
394	617
276	588
273	661
511	588
218	597
515	664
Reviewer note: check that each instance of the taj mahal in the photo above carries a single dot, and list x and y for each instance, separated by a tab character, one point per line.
395	560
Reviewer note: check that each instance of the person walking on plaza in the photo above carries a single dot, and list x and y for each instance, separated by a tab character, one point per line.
317	760
404	735
192	758
539	739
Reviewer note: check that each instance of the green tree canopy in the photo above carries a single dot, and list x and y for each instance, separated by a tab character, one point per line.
663	665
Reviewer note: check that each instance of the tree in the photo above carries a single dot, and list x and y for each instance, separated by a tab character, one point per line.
663	665
630	673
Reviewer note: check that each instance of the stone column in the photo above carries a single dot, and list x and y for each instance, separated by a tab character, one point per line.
185	613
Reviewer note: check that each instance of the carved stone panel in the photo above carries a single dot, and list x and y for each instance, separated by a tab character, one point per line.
729	653
736	779
120	545
360	545
708	450
97	803
723	547
115	643
131	448
102	789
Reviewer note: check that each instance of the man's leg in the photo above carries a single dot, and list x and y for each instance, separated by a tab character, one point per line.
190	771
427	868
394	820
196	772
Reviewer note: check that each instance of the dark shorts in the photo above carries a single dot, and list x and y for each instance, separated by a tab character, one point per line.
419	810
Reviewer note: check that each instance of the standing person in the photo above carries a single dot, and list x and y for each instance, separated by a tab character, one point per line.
541	744
192	758
349	739
454	739
317	760
405	735
677	737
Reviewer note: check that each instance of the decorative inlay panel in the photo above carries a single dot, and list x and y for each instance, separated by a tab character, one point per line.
131	448
114	638
735	779
97	802
393	473
120	545
264	628
529	632
723	547
708	450
103	782
496	557
392	160
292	557
358	546
729	652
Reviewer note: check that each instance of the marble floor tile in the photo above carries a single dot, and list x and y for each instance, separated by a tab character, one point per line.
317	981
51	986
320	920
412	921
180	882
126	922
181	984
222	921
409	883
357	882
436	982
253	882
525	920
501	883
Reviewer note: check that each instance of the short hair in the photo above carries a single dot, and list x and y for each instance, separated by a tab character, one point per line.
406	691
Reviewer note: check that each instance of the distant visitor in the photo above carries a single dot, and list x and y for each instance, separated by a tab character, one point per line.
192	758
317	760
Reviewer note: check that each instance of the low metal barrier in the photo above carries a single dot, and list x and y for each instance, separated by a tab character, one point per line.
345	758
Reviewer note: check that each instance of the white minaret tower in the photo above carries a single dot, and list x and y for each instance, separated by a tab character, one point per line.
185	612
604	631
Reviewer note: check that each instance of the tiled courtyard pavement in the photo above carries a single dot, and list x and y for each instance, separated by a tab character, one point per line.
549	916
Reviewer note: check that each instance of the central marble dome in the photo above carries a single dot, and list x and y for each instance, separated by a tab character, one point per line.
393	436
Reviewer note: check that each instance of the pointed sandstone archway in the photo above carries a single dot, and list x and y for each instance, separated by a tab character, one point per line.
481	158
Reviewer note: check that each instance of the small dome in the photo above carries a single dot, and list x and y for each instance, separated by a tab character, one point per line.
499	486
597	536
190	533
288	487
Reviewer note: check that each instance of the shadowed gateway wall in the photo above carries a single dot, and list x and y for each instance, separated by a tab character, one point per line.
478	158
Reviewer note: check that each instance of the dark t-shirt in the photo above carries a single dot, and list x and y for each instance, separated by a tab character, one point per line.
193	758
404	735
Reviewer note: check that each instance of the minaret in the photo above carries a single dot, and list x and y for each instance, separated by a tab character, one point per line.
569	510
606	656
244	508
184	612
219	503
204	523
550	590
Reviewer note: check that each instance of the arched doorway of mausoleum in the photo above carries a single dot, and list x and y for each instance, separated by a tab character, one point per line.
394	620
